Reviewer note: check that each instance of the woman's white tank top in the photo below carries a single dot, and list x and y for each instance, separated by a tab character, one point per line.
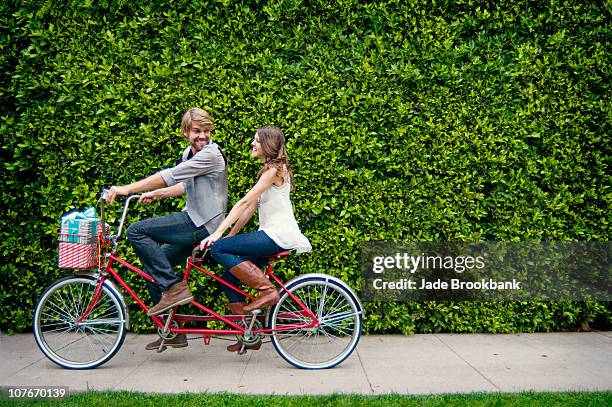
277	220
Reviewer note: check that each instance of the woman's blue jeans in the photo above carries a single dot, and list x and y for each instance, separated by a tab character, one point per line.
233	250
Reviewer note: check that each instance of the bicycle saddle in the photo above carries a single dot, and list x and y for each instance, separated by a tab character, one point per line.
278	256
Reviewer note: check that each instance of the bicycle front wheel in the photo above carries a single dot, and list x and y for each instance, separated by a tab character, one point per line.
333	339
79	345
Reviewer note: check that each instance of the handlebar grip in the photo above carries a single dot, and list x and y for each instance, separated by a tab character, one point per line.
104	196
196	251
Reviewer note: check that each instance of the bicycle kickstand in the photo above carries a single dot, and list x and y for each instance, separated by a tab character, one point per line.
249	330
166	330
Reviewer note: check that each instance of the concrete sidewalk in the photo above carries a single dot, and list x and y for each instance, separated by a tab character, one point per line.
417	364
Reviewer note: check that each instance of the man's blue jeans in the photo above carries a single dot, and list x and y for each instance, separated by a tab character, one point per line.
162	243
233	250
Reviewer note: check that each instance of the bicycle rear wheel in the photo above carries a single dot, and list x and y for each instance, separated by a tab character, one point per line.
75	345
327	344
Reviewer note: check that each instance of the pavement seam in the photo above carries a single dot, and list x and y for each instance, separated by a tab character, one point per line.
25	367
114	386
246	365
603	334
468	363
365	372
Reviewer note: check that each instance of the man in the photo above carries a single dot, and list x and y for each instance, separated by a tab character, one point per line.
164	242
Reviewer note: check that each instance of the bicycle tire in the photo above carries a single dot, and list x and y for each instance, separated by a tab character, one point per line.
340	321
90	343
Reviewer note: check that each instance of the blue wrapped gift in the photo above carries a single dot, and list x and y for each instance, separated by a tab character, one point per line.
79	227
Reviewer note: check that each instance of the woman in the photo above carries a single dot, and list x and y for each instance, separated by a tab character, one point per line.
278	230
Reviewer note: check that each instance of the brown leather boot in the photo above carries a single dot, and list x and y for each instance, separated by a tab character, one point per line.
252	276
236	308
178	294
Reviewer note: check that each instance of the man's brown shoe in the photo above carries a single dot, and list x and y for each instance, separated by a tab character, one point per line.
178	294
179	341
237	308
238	345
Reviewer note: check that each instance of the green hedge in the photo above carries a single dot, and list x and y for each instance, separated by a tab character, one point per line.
406	120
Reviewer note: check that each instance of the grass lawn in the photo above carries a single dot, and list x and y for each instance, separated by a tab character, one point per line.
116	399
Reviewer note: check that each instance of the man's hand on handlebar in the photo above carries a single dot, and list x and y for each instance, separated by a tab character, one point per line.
115	191
149	197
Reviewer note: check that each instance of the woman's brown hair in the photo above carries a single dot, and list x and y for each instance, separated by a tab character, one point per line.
272	142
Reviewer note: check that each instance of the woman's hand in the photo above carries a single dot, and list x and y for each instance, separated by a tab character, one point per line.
209	241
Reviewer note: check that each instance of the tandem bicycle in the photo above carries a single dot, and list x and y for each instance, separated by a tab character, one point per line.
80	321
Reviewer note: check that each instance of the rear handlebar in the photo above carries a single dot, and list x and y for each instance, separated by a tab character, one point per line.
196	251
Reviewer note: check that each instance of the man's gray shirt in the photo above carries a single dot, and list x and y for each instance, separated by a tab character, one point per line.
204	179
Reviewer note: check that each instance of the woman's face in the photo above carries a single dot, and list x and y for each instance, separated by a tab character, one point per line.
257	151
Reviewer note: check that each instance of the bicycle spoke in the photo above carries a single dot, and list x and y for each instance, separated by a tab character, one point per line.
337	317
322	304
88	340
81	298
299	341
54	318
109	313
74	303
61	310
98	333
101	306
330	335
107	321
333	305
52	324
300	320
98	328
64	301
59	329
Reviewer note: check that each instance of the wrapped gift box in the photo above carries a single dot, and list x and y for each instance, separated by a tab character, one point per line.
77	239
79	227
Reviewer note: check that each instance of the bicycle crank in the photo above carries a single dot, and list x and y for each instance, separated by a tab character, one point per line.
249	338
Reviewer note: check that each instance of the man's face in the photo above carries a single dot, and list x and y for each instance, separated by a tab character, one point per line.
198	137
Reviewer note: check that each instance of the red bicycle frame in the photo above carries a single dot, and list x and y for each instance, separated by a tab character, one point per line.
194	263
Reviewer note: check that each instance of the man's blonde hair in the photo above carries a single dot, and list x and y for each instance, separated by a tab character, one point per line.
199	117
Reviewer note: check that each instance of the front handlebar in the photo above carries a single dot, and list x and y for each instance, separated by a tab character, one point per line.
125	209
102	203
